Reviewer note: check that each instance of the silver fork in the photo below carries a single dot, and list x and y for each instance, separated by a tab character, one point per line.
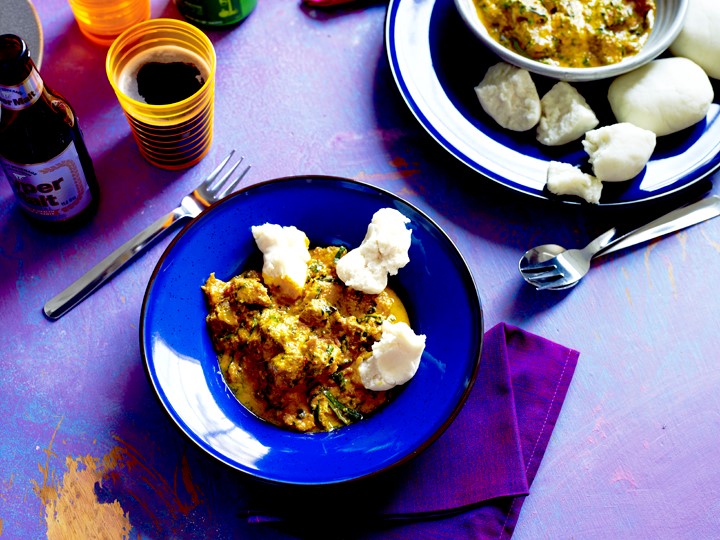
553	267
211	190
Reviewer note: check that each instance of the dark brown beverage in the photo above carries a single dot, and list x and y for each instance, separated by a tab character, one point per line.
163	75
162	83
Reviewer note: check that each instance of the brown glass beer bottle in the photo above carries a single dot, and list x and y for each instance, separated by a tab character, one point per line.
42	151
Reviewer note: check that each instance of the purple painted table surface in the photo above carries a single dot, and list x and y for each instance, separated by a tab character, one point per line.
636	451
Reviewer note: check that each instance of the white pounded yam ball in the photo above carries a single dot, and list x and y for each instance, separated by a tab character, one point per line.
565	115
565	179
509	96
664	96
699	39
619	152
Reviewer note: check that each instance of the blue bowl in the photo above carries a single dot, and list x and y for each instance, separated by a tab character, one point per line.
436	287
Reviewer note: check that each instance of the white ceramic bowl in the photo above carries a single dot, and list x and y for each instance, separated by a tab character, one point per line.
669	19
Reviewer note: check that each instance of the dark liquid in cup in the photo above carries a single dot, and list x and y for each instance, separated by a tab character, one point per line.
163	75
163	83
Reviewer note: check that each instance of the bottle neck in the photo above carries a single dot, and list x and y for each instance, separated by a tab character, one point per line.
21	96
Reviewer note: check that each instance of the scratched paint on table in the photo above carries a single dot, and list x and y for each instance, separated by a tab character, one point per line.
402	170
670	269
627	289
101	495
71	506
715	245
625	478
72	509
5	487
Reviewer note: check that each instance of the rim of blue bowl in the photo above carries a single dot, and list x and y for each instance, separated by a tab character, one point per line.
467	277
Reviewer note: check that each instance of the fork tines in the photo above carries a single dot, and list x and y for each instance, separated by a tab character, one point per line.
538	267
214	184
548	276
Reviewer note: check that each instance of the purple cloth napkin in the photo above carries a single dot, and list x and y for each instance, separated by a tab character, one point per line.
472	481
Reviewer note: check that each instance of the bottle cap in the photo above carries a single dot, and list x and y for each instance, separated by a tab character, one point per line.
14	56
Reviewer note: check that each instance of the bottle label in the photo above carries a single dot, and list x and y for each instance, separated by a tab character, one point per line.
52	191
24	94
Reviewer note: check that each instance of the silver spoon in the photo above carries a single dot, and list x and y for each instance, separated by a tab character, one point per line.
550	266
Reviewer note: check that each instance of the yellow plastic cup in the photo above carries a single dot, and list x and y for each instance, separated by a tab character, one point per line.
104	20
169	134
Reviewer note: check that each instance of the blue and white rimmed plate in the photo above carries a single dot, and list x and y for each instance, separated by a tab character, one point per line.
436	287
436	62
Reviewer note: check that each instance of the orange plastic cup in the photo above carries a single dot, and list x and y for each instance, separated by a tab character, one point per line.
169	134
104	20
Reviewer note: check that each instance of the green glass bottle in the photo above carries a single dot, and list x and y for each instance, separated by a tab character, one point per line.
215	12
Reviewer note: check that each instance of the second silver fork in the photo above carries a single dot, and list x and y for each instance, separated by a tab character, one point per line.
553	267
211	190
